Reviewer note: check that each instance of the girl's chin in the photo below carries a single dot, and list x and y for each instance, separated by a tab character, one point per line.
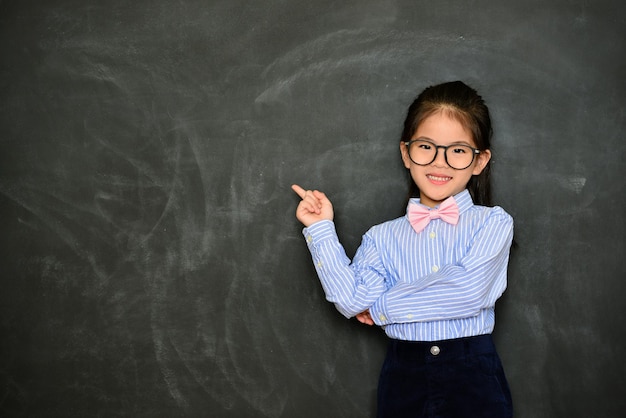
440	196
434	199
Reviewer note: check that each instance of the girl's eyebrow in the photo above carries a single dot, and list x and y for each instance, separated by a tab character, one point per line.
425	138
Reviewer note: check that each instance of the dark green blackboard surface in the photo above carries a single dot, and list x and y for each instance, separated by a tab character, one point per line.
150	262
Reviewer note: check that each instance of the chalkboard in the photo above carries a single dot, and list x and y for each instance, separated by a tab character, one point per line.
150	261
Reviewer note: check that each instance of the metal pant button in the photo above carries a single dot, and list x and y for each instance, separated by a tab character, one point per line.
434	350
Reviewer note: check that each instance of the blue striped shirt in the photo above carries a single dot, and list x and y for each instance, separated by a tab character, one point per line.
439	284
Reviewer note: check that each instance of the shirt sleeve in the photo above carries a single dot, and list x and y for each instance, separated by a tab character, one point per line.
352	286
460	290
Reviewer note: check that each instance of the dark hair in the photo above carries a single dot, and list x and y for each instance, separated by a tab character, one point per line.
461	102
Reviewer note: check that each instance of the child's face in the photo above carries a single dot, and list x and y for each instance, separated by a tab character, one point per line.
437	181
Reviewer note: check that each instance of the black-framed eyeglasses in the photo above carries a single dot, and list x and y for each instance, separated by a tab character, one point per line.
458	156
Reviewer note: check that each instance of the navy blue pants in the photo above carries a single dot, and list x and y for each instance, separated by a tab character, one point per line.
460	378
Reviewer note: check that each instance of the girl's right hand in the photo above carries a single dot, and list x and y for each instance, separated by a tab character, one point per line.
314	206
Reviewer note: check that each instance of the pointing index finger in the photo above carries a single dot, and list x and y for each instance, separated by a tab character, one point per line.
299	190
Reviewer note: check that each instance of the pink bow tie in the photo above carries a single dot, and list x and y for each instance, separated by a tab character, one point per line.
420	215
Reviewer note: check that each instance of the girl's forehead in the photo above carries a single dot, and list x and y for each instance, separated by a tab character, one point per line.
443	128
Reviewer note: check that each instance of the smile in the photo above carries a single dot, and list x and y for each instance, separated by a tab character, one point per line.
438	178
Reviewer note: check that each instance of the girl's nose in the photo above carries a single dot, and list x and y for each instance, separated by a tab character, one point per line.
440	158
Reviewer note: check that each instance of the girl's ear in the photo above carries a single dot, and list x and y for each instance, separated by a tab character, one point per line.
404	151
481	162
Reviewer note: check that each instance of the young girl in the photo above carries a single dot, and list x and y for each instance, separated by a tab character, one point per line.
431	278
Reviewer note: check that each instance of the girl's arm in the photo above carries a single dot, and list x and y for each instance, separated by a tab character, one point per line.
352	289
460	290
352	286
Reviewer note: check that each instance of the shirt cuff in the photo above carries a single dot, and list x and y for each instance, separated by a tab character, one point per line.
319	231
378	312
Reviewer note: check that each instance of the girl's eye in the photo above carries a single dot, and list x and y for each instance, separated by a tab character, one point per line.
424	145
459	150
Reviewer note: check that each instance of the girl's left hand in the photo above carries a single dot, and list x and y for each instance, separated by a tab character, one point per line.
365	317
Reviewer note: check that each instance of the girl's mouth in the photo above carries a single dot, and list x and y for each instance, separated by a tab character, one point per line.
438	179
